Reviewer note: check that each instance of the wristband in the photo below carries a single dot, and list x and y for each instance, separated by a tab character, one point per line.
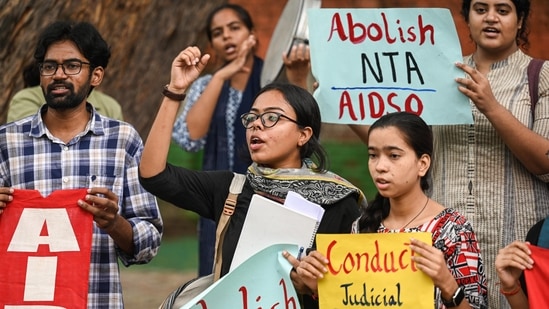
512	292
171	95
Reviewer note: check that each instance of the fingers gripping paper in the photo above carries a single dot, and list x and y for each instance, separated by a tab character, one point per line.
45	249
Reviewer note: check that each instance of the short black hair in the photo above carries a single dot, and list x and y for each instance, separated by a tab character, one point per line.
83	34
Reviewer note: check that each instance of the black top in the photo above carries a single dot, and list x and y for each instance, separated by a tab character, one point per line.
532	237
533	233
204	192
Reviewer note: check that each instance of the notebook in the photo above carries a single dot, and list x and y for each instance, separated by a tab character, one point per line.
269	222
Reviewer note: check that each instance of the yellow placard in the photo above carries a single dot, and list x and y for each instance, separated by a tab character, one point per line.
373	270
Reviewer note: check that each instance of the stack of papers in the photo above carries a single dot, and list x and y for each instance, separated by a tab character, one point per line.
269	222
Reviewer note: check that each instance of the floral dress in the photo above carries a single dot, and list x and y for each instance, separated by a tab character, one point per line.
454	236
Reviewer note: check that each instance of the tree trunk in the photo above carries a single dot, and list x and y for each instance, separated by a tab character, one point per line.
144	36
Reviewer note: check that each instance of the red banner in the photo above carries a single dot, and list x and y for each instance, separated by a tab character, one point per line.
45	247
536	278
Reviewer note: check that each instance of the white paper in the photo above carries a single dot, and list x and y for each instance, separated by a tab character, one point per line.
298	203
269	222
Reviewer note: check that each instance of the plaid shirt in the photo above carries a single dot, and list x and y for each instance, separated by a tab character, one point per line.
105	154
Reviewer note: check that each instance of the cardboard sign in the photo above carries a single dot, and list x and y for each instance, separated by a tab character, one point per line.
262	281
373	270
370	62
45	250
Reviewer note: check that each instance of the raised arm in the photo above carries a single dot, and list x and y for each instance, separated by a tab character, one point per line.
201	113
186	68
298	65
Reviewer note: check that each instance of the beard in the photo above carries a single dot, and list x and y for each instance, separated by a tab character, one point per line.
69	101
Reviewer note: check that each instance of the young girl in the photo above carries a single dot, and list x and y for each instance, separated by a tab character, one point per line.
282	134
400	149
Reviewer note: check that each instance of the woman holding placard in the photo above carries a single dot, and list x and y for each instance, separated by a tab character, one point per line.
209	119
495	172
282	135
400	150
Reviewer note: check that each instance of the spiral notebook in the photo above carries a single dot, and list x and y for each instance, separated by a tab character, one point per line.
269	222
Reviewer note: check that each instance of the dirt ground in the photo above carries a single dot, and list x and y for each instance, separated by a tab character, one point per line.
147	289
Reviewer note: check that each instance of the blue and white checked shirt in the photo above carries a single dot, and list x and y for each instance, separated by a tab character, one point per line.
105	154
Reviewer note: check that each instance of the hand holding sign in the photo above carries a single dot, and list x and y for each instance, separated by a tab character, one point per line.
102	203
477	88
370	62
269	287
379	272
431	261
309	269
5	197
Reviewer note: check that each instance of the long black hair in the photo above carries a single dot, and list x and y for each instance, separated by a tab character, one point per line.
417	134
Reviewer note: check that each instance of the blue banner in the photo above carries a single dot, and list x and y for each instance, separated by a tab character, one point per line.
262	281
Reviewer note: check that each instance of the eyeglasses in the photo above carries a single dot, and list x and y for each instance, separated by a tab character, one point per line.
268	119
70	67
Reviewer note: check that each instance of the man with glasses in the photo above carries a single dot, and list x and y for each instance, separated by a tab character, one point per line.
73	147
29	99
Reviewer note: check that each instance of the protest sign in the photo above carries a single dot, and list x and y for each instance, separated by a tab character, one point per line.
373	270
370	62
45	250
262	281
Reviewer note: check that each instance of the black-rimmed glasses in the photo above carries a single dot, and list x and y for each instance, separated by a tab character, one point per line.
268	119
70	67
